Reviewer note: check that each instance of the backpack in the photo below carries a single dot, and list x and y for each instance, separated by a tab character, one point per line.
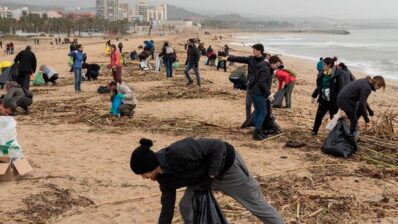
169	50
103	90
291	72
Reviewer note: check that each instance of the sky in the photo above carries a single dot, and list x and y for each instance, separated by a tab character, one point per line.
337	9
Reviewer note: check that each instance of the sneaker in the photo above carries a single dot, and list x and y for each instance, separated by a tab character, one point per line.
314	133
259	136
189	83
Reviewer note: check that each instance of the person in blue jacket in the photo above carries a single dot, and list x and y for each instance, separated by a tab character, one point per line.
78	59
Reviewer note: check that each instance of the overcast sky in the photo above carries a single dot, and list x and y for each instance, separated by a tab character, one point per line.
344	9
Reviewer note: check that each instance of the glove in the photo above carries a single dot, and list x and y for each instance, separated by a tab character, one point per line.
271	98
366	119
371	113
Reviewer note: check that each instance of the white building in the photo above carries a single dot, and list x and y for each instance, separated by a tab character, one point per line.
108	9
18	13
157	13
142	9
54	14
5	13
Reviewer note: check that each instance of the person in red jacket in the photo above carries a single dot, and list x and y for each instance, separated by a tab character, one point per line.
116	64
287	81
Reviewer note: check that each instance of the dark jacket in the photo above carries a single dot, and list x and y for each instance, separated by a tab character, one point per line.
355	95
188	162
348	77
26	60
259	75
167	56
336	85
193	56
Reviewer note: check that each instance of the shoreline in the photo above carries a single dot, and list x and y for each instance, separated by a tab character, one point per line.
361	72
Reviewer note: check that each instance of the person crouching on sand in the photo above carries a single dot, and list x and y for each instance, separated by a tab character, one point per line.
200	164
7	107
122	98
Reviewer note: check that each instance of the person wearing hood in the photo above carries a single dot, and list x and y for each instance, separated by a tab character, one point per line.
192	63
258	87
329	84
22	98
353	98
319	65
27	63
200	164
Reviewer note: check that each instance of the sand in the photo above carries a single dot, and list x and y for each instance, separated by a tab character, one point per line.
81	157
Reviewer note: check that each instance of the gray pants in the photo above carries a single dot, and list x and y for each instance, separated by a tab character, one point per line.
24	102
188	67
288	94
249	103
127	109
240	185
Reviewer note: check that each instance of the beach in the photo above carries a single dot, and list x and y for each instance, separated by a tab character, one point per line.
80	156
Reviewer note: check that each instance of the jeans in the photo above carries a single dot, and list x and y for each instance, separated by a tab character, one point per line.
260	105
224	65
188	67
169	67
78	79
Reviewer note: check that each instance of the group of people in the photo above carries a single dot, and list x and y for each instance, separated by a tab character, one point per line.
338	89
9	49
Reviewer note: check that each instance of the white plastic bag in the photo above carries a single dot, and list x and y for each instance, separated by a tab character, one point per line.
8	138
332	123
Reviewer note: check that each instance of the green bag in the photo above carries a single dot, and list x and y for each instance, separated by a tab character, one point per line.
38	79
176	65
70	62
291	72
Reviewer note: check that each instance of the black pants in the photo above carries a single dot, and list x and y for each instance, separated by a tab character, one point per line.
323	108
352	113
52	79
224	65
23	79
24	102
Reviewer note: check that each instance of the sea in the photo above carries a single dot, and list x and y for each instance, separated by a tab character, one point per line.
374	52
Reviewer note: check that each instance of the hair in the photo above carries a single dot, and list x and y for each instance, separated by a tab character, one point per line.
28	47
42	66
377	80
79	46
274	59
112	83
343	66
259	47
166	44
330	61
113	46
321	59
9	104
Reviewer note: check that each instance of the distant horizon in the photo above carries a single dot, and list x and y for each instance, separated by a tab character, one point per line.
205	11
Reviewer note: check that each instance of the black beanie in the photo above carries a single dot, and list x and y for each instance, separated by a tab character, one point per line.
143	159
259	47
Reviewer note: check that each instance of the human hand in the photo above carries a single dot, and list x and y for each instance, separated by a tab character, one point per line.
271	98
371	113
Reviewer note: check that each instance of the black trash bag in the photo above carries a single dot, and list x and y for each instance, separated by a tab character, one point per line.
103	90
206	209
269	125
340	142
278	98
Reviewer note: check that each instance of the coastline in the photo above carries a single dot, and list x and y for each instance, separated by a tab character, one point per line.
356	70
77	150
